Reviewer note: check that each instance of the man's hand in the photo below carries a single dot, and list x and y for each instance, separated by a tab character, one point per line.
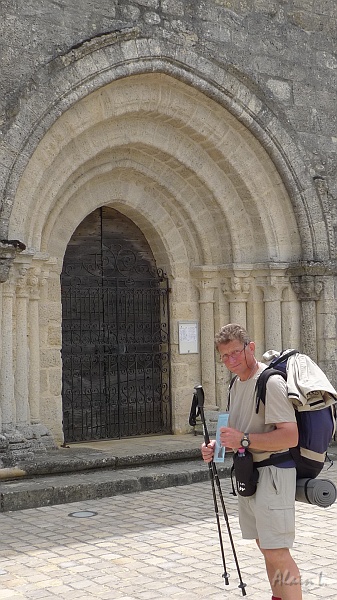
230	438
208	451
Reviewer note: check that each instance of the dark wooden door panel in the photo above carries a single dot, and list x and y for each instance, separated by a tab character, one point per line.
115	346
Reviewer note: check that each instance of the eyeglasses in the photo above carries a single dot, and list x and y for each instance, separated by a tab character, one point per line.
234	354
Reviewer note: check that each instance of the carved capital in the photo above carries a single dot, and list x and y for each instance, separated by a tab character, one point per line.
206	289
237	289
21	282
205	279
272	288
34	282
9	249
307	287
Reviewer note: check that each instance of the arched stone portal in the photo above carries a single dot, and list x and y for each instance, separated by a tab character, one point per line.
212	206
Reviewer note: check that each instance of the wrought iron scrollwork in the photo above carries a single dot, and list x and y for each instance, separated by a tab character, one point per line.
116	361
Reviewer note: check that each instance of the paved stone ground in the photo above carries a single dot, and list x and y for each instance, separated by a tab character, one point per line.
150	546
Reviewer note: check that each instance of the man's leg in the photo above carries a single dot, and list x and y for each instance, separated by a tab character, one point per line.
275	519
283	574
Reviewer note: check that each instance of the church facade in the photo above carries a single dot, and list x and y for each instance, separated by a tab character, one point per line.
166	168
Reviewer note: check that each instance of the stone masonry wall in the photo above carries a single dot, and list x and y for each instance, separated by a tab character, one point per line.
284	50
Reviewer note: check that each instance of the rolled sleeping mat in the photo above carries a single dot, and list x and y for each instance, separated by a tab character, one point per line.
320	492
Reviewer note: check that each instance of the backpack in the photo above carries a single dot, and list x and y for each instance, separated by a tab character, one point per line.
316	418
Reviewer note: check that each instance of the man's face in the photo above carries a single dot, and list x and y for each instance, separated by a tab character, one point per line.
238	357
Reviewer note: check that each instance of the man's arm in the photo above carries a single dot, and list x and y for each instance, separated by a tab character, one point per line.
285	435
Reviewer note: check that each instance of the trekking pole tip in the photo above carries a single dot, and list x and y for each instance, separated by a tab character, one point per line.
243	588
226	576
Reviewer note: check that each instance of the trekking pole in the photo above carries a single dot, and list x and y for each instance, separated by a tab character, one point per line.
214	477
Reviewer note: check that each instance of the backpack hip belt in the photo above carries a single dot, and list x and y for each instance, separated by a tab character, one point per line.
275	459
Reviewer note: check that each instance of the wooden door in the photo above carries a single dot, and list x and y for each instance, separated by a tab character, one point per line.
115	333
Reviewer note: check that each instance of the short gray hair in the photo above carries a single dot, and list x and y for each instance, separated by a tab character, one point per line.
231	332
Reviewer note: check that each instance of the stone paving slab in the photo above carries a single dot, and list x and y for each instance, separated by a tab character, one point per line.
152	545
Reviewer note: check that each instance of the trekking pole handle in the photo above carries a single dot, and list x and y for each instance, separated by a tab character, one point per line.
201	401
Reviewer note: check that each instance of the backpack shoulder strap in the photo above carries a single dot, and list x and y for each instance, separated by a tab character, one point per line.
229	391
261	384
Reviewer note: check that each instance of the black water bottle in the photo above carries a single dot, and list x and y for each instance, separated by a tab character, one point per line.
246	474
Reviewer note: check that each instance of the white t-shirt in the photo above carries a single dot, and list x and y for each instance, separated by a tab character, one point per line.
277	409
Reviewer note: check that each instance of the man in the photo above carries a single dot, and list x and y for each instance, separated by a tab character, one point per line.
269	515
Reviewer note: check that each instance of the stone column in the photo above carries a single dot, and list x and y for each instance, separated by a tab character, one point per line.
272	297
308	289
206	302
236	290
34	346
8	409
291	317
21	370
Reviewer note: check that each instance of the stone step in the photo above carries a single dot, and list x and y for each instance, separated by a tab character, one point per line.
108	468
51	489
84	471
